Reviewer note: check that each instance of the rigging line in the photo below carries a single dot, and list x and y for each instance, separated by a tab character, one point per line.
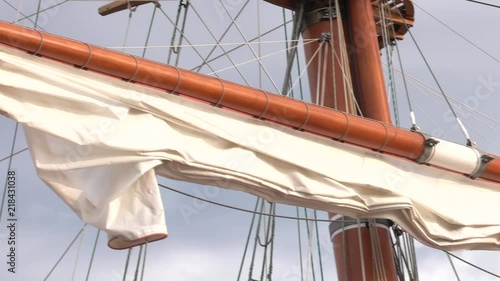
19	4
462	127
431	90
126	264
300	246
416	85
458	34
93	254
127	29
144	259
177	50
473	265
319	99
388	54
223	50
413	254
301	88
252	60
332	46
401	252
269	240
25	17
259	31
65	251
185	38
9	166
305	69
16	9
149	29
407	93
496	145
239	44
310	261
222	36
250	47
297	25
77	255
360	246
248	238
136	274
37	13
483	3
318	245
453	266
245	210
323	81
252	262
236	48
12	155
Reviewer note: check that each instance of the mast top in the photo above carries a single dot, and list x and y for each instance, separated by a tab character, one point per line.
399	14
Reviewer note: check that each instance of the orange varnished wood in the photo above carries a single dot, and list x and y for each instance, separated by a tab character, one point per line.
347	250
293	113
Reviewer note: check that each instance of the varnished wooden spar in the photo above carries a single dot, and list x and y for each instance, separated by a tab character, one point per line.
120	5
293	113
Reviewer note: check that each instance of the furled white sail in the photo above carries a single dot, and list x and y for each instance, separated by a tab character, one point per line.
98	142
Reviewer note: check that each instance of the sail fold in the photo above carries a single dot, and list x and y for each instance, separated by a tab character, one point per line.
100	142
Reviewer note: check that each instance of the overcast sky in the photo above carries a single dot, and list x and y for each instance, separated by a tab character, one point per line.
208	244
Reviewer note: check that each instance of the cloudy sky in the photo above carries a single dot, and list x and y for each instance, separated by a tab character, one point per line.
208	243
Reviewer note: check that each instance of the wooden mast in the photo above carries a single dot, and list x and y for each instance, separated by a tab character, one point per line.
362	251
353	242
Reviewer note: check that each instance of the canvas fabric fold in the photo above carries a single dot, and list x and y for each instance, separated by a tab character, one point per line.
100	142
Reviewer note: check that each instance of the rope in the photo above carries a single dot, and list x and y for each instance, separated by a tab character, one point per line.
251	49
198	68
77	255
19	4
310	261
269	241
220	46
305	69
126	264
318	245
385	37
127	29
453	266
297	24
238	44
361	254
414	126
473	265
460	124
149	29
300	245
93	254
248	239
17	9
136	274
176	49
144	260
253	60
250	273
40	11
37	13
245	210
185	38
64	253
458	34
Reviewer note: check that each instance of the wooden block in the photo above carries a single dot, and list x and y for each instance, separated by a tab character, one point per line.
120	5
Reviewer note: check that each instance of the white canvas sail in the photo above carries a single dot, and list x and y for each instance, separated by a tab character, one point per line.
98	142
